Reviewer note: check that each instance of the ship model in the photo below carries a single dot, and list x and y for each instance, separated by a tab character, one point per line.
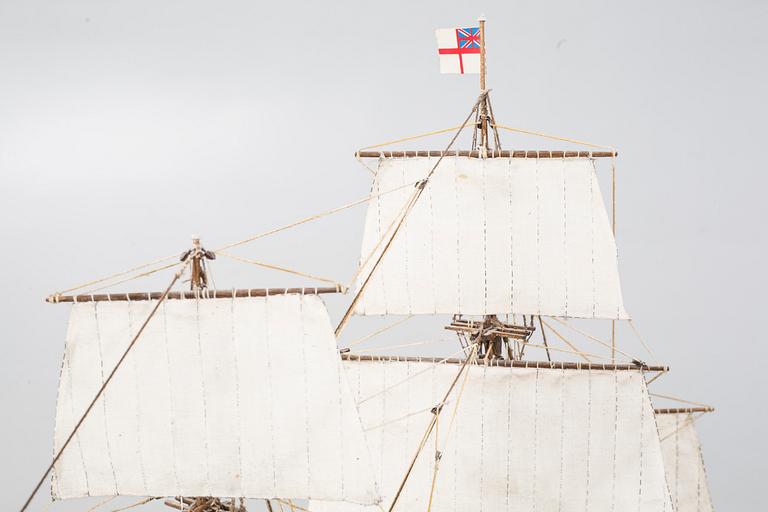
204	400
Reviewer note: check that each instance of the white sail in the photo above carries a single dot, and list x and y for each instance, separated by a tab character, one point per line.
219	397
549	440
684	463
492	236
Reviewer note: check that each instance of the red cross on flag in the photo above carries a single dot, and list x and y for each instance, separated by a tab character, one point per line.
459	50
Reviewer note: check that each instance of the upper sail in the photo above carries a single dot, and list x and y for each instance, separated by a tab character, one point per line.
684	463
219	397
548	440
492	236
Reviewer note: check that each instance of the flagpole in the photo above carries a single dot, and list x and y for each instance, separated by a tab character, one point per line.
483	106
481	19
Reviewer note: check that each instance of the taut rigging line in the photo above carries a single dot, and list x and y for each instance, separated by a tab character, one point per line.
176	277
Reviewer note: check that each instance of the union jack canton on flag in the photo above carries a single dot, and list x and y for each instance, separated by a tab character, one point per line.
459	50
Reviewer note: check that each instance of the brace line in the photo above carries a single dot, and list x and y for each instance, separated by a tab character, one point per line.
676	399
401	382
280	269
228	246
137	504
420	186
106	382
553	137
642	341
376	333
562	338
412	137
593	338
438	408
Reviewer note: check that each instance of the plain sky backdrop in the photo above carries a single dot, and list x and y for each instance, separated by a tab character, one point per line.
125	126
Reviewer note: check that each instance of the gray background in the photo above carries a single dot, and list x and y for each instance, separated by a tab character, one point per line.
127	126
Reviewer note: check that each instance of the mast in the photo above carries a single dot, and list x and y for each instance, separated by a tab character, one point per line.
199	280
483	105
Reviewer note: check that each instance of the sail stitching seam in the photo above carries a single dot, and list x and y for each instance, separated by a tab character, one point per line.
139	437
204	398
104	398
303	351
238	416
171	402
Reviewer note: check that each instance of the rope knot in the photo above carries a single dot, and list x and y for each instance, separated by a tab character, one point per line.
421	183
436	409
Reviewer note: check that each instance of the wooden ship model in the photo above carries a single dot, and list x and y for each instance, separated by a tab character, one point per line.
201	399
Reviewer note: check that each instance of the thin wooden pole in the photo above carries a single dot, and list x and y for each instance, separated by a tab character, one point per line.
506	363
481	19
189	294
521	153
613	228
683	410
176	277
484	104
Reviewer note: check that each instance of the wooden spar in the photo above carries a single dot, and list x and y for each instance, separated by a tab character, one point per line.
484	105
683	410
198	294
481	19
506	363
491	154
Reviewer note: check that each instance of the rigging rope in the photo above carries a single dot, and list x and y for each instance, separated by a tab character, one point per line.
106	382
438	452
102	502
280	269
676	399
231	245
131	278
553	137
593	338
404	345
565	341
645	345
567	351
690	420
291	504
420	186
137	504
376	333
412	137
401	382
436	414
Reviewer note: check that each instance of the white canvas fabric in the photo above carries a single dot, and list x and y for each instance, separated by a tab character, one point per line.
219	397
548	440
492	236
684	463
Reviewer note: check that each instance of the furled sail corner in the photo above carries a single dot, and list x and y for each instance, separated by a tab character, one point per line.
492	236
684	462
221	397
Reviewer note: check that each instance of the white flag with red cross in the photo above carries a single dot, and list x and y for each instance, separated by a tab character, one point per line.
459	50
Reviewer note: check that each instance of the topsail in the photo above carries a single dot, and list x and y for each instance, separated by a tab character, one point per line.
492	236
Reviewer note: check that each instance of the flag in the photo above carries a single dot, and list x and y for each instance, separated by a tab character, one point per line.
459	50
